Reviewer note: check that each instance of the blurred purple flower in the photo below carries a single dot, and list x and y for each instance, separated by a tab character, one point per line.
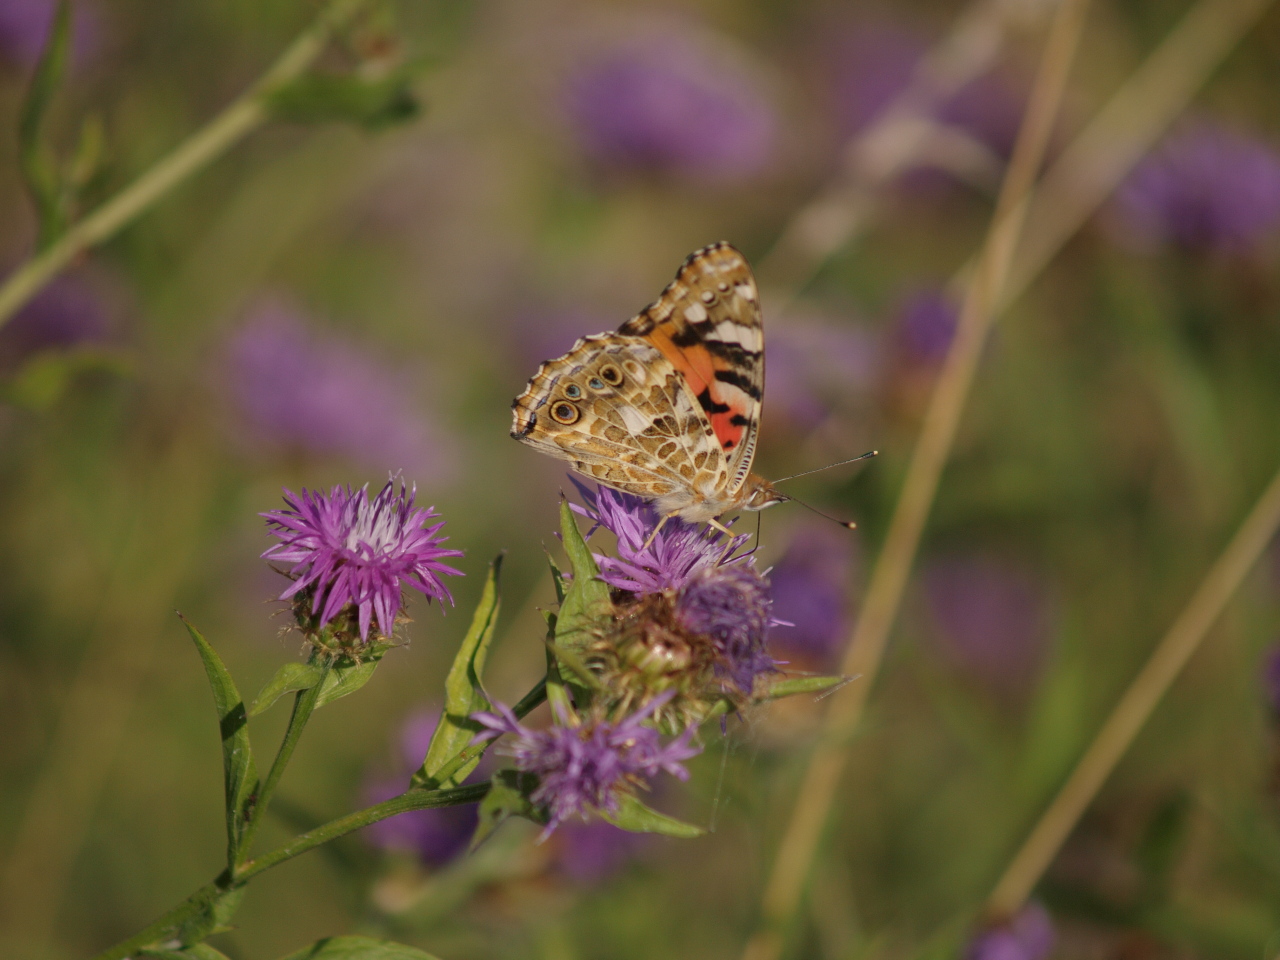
1271	679
65	313
875	62
590	852
680	550
730	604
671	102
924	326
815	365
1206	188
1028	936
992	615
586	769
24	29
809	586
437	835
324	395
351	550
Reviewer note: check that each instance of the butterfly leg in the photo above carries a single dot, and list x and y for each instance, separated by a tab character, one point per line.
654	532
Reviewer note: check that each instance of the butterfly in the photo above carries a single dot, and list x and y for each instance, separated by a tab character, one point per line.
668	407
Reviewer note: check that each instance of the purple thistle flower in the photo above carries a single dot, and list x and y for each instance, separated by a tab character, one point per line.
64	314
993	616
587	768
876	62
1207	188
350	550
296	389
680	550
808	588
730	604
924	326
1028	936
24	29
670	102
1271	679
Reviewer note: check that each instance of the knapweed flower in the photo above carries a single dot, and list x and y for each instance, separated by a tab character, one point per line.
875	62
924	325
731	606
295	389
66	313
350	552
587	766
1207	188
24	29
993	616
678	551
672	102
808	586
1028	936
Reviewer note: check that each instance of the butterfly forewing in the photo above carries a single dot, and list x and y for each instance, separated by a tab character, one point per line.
708	324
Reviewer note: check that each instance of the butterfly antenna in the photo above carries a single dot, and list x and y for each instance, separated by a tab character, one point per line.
847	524
866	456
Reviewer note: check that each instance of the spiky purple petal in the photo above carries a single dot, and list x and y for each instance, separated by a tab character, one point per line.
351	550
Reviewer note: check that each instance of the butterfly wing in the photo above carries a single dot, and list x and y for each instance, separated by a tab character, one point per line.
617	409
708	325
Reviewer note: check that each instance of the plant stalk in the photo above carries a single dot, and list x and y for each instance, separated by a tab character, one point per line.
233	124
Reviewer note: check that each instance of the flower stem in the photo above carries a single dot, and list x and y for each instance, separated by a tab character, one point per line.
228	128
409	800
1148	687
787	881
303	706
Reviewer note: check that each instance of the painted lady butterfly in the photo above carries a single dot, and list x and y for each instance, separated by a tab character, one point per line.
668	407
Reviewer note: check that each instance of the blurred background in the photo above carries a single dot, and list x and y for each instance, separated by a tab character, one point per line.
334	302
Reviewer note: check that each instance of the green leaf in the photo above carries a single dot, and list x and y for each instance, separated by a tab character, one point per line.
36	157
557	578
290	678
214	916
585	603
794	685
463	691
197	951
508	796
635	816
372	103
240	777
347	676
358	948
44	378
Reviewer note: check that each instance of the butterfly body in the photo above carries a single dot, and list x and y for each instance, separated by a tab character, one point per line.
668	407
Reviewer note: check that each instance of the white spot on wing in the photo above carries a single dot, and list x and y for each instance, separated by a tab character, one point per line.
636	421
746	290
695	313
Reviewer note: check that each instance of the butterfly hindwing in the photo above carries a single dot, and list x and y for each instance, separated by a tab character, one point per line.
707	324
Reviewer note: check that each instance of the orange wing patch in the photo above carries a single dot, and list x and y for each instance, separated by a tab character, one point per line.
707	323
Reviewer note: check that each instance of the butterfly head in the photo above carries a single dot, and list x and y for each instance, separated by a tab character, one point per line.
758	493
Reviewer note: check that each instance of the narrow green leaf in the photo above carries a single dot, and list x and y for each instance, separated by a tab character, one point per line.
508	796
358	948
240	777
290	678
794	685
213	917
557	578
374	103
633	815
464	691
39	165
585	603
